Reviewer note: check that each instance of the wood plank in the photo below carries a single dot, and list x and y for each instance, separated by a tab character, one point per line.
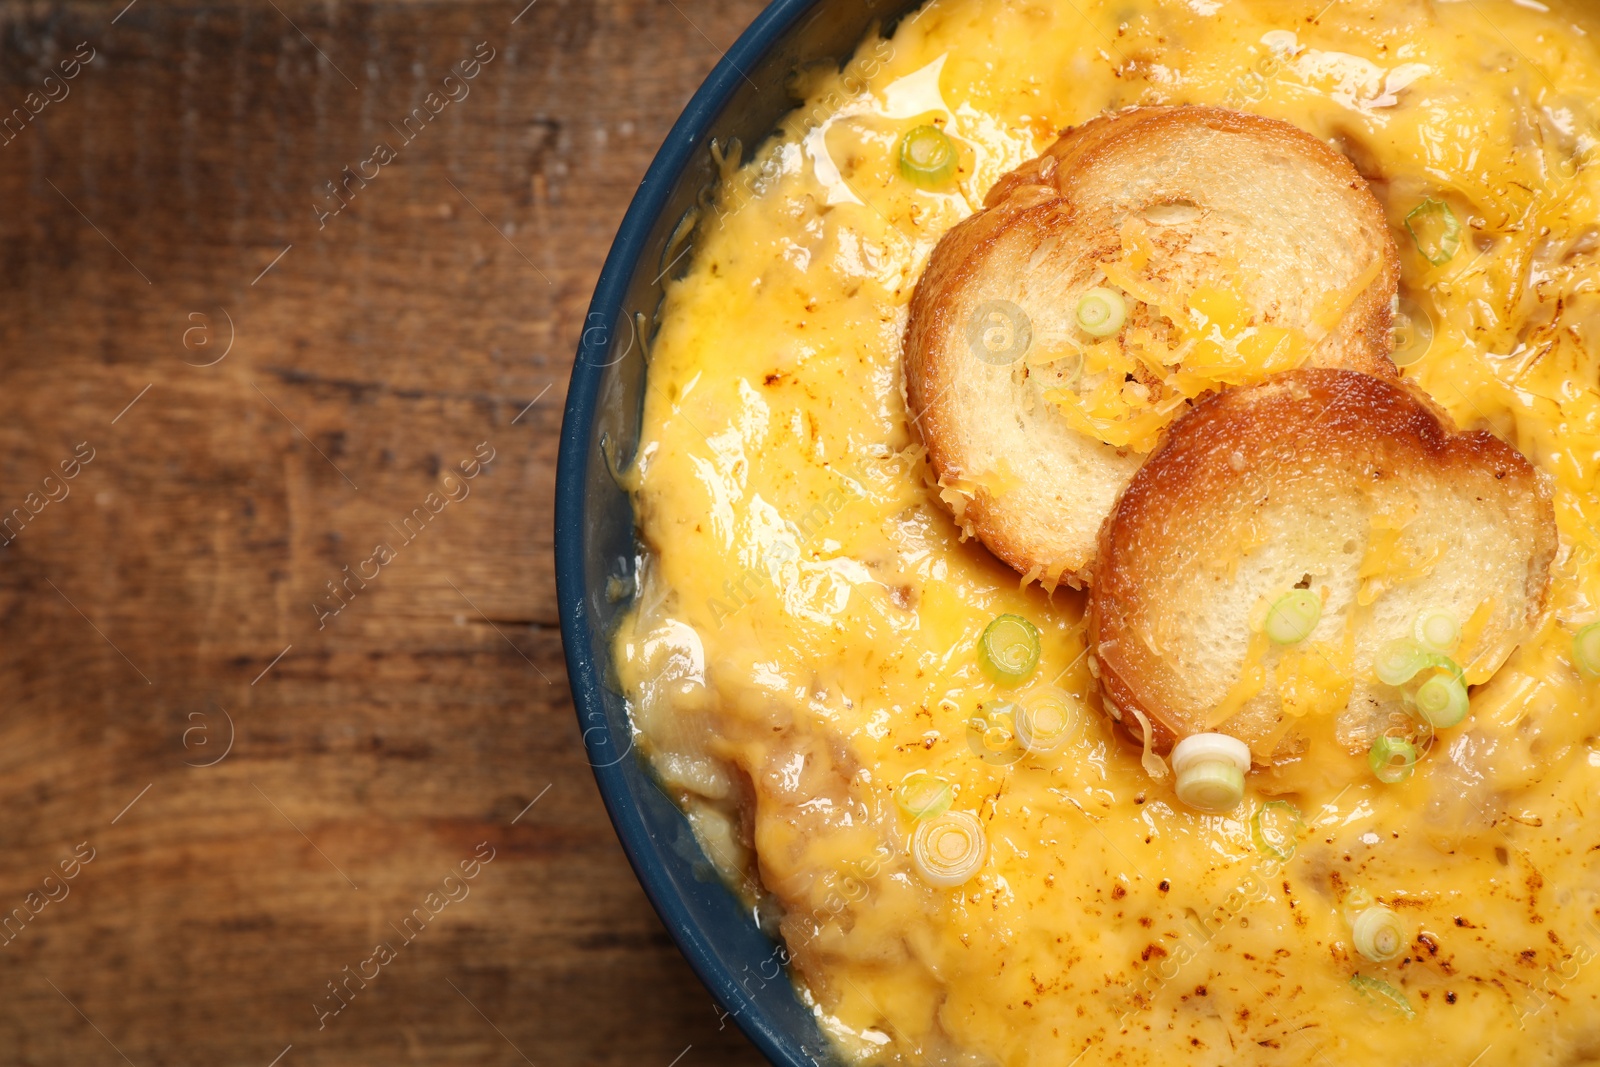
162	207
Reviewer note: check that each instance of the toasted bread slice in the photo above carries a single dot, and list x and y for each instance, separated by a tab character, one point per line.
1351	486
1242	245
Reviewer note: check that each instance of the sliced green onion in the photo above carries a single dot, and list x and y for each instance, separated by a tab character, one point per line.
1377	934
1448	665
1382	994
1436	231
1044	719
1392	759
1398	661
1276	828
1210	769
949	850
1438	630
1442	700
1213	787
1356	901
927	157
1293	616
1101	312
1009	648
1586	649
924	796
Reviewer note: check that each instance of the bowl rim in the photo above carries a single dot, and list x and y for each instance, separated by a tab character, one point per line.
584	674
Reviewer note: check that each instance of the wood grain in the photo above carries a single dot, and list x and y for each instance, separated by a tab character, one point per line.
163	205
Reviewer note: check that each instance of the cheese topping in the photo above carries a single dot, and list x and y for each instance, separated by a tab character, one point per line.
805	633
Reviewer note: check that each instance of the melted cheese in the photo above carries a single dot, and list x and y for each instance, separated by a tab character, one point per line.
805	633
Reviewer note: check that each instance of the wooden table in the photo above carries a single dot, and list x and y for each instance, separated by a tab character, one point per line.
276	740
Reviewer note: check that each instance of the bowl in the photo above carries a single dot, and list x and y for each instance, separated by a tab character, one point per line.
743	98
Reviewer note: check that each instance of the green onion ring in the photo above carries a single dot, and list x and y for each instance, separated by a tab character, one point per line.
923	796
1440	236
927	157
1101	312
1044	719
1009	648
1378	935
1276	828
1438	630
1384	995
1392	759
1356	901
1442	700
1293	616
947	851
1398	661
1211	786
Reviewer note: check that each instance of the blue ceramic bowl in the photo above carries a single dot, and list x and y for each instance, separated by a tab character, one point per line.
594	534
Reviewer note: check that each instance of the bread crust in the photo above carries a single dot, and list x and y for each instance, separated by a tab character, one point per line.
1067	198
1309	435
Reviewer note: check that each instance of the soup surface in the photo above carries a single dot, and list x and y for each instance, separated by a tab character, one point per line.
805	628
